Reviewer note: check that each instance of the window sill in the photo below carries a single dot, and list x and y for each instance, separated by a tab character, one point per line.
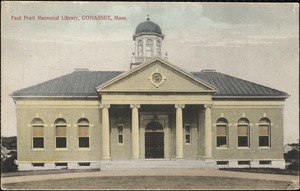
120	144
84	149
188	144
244	148
221	148
35	149
264	148
61	149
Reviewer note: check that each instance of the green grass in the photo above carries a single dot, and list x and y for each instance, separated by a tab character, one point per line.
264	170
152	182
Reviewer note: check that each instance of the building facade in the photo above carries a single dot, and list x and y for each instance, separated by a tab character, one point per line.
155	110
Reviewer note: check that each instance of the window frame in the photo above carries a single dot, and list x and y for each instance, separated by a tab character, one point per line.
81	124
243	122
187	133
140	48
222	122
264	122
64	124
158	48
33	125
149	48
120	134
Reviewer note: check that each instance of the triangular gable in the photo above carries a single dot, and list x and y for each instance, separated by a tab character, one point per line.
156	75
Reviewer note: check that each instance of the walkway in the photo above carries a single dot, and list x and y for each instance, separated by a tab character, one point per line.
152	172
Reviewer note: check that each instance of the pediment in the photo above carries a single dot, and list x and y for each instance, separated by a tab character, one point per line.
156	75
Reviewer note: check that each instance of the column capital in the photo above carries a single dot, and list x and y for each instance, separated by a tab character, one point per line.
135	106
104	106
207	106
179	106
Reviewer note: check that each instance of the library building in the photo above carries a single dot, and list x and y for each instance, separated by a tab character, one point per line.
156	114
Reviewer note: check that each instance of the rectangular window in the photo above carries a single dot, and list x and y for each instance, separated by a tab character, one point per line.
61	136
265	162
61	142
84	163
38	137
120	134
83	136
221	136
243	162
38	142
84	142
38	164
187	133
63	164
243	134
222	162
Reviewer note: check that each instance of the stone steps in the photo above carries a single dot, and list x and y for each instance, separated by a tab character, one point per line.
157	164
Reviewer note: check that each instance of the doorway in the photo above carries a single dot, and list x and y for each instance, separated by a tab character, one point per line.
154	140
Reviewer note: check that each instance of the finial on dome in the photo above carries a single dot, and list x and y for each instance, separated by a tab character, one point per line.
148	11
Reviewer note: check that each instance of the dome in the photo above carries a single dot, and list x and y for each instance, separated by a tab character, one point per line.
148	27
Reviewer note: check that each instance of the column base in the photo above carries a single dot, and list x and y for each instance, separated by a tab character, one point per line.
106	158
201	158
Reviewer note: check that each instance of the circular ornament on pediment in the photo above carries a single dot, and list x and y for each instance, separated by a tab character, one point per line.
157	78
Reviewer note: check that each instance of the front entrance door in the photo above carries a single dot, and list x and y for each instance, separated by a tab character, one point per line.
154	140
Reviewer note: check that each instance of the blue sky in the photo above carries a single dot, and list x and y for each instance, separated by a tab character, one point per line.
256	42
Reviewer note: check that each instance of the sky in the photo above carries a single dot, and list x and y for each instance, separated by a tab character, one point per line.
255	42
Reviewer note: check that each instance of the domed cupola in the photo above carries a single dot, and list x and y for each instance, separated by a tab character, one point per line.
148	27
148	39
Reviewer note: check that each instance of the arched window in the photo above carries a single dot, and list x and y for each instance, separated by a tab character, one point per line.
120	133
83	133
158	48
60	133
37	133
149	48
222	132
187	128
264	132
140	48
243	132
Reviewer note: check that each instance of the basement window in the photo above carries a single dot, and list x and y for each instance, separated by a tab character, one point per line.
84	163
38	164
265	162
64	164
222	162
243	162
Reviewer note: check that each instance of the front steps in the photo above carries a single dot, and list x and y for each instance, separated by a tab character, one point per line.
157	164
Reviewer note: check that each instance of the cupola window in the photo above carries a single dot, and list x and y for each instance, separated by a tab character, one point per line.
149	48
140	48
158	48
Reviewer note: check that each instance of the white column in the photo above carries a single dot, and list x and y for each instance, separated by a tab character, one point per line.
179	131
208	151
105	131
135	131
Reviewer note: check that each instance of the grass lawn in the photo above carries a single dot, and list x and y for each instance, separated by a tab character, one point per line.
264	170
152	182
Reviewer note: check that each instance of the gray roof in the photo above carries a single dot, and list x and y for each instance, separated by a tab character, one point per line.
147	27
83	84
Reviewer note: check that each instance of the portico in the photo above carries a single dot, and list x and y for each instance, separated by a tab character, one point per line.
150	86
172	130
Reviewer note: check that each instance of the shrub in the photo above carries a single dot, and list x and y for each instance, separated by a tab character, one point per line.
293	166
